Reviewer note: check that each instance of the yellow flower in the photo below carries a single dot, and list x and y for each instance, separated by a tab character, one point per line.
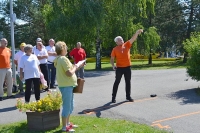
52	101
39	103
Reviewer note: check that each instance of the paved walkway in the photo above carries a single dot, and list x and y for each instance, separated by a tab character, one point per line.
176	107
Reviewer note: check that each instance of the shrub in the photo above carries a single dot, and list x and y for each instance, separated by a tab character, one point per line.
192	46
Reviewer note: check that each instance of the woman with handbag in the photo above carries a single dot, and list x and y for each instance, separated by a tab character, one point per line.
66	79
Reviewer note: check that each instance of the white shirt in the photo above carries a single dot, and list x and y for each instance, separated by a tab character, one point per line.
34	47
41	53
17	57
50	58
30	66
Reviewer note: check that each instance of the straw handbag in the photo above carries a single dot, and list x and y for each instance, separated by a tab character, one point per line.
79	88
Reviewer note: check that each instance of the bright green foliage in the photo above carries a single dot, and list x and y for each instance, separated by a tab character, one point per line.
87	21
192	46
151	39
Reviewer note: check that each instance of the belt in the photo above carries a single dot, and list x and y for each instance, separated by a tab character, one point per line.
50	62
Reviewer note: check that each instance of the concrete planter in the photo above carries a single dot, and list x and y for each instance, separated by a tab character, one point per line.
42	121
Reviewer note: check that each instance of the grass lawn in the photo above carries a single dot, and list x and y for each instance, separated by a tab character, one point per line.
88	124
141	65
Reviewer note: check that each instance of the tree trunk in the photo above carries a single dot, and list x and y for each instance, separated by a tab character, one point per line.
150	59
98	55
185	57
189	30
150	55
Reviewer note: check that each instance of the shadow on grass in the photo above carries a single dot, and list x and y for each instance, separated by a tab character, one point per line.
188	96
98	110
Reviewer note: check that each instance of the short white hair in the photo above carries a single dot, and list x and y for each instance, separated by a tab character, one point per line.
28	47
118	37
51	40
78	43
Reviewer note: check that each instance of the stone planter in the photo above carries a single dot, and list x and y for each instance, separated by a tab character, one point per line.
42	121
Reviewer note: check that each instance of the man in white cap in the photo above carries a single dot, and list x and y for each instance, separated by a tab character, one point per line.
17	58
38	40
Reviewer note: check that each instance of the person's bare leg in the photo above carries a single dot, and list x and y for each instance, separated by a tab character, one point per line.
65	121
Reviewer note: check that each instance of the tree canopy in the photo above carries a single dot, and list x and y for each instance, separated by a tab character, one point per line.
101	21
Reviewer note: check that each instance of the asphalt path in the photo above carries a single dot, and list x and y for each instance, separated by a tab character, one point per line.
175	108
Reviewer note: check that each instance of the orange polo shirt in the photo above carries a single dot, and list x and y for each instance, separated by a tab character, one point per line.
122	54
5	55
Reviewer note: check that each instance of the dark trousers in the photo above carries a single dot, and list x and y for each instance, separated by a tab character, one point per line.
52	74
126	71
36	83
44	70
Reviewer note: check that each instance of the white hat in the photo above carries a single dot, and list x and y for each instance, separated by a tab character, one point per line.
39	40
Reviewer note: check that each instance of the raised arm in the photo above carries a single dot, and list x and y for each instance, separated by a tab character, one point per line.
134	37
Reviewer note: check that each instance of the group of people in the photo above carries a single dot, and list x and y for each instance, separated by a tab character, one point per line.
45	57
51	60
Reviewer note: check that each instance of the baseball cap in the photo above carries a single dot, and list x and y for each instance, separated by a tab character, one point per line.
39	40
22	44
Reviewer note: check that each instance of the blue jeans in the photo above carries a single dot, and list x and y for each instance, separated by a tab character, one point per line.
52	74
67	99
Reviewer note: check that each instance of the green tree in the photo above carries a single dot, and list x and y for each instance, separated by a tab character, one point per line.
192	46
31	13
170	23
191	12
95	22
151	41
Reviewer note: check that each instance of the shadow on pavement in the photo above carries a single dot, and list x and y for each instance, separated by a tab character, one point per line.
188	96
96	73
98	110
8	109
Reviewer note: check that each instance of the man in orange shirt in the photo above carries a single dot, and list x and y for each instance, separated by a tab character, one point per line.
5	69
123	64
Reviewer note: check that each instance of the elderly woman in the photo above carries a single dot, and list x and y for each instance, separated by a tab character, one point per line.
66	78
30	72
